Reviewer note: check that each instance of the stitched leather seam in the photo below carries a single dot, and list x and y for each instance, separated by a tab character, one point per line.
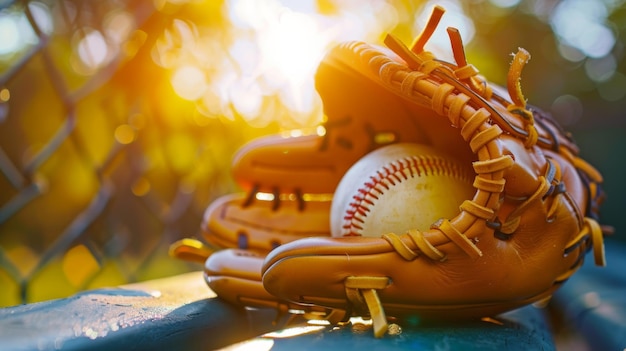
388	176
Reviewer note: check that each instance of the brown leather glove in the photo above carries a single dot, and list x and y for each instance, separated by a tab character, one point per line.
525	231
532	218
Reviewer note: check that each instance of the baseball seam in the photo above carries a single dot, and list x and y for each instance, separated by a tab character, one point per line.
389	176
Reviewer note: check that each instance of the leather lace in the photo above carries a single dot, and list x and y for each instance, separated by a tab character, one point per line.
466	99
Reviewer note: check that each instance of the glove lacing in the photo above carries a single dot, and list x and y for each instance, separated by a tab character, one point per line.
463	97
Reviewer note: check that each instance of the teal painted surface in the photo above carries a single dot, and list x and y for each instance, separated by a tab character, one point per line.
523	329
181	313
177	313
594	300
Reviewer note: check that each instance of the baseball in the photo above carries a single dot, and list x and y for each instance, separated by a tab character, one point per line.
397	188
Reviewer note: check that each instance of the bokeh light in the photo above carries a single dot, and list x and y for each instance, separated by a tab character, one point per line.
5	95
141	105
601	69
189	82
272	54
118	25
16	33
505	3
567	109
10	35
582	25
124	134
92	51
42	16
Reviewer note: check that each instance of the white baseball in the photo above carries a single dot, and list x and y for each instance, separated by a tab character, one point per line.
397	188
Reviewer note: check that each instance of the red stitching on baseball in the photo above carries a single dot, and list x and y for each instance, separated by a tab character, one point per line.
391	175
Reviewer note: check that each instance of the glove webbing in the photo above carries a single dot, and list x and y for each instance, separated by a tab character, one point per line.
465	98
458	93
450	98
489	182
446	99
424	65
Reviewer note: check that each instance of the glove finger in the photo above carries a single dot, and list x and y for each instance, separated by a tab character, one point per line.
291	165
235	276
229	222
458	288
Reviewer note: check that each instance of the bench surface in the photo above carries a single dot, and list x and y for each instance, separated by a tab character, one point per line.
180	312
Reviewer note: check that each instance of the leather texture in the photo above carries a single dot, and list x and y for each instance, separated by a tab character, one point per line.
526	229
260	227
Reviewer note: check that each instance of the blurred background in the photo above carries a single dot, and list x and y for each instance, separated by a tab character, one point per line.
119	119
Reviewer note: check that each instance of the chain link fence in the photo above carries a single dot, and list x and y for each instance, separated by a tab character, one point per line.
112	144
101	166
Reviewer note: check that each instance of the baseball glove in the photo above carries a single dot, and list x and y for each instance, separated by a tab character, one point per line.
526	230
532	218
